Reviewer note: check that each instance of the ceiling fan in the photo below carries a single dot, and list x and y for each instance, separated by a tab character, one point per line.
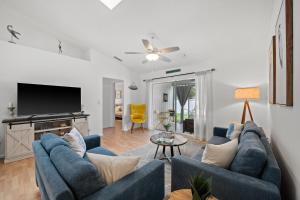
153	54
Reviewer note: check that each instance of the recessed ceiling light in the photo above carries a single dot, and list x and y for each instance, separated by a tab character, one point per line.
111	3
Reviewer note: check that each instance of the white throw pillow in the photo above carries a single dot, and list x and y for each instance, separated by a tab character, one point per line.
76	142
234	130
113	168
220	155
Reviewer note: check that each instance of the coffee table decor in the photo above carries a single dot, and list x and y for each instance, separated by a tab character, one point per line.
168	139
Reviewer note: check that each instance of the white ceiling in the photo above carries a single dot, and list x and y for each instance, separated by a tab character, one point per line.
201	28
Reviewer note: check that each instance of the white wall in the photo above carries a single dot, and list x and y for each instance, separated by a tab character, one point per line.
25	64
243	71
110	68
37	35
108	103
284	120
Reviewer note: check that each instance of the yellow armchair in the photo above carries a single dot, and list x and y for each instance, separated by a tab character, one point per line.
137	115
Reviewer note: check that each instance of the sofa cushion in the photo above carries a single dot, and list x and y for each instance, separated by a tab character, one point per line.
253	128
218	140
251	156
101	150
81	175
50	140
271	172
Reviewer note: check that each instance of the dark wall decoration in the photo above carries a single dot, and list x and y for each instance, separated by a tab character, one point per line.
284	54
272	71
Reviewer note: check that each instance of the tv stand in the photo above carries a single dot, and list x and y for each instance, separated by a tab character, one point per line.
21	131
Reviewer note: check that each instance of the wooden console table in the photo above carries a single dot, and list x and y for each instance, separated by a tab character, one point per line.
20	132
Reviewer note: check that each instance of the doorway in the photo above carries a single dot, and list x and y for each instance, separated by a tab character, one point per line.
113	103
174	105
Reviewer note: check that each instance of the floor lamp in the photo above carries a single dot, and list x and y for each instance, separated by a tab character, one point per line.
246	94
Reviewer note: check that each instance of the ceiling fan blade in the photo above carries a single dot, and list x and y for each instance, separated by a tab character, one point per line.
147	45
134	52
169	49
164	58
144	61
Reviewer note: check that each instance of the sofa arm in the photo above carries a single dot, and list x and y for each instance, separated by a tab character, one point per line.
226	185
92	141
146	183
221	132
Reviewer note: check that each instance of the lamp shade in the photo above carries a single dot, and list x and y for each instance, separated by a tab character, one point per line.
252	93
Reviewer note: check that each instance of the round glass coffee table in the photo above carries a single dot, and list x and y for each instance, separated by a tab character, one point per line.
167	139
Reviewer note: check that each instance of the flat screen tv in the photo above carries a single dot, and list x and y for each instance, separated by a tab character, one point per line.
47	99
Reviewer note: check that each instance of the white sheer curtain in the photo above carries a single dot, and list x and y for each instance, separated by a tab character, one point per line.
203	122
149	91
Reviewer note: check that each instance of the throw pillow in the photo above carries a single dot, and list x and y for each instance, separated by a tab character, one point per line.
76	142
234	130
220	155
113	168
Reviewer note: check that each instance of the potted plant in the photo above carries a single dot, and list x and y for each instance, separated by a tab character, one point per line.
201	187
167	126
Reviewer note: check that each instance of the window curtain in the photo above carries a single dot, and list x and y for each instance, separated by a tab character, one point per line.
149	90
203	122
182	93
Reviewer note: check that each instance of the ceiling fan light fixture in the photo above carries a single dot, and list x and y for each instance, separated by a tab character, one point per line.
152	56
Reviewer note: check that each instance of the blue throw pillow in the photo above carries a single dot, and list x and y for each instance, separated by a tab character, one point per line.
81	175
50	140
234	130
230	130
251	157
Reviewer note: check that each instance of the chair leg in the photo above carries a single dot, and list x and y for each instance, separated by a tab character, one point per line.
142	126
132	125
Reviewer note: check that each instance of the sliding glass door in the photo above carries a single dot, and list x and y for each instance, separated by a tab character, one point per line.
184	116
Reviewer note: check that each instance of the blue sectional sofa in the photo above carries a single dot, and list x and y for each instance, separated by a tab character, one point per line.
253	174
63	175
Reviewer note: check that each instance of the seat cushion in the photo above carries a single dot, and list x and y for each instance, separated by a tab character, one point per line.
218	140
251	156
101	150
81	175
50	140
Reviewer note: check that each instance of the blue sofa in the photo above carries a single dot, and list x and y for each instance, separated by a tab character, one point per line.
63	175
243	179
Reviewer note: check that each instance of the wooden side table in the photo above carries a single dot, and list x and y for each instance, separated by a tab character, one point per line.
185	194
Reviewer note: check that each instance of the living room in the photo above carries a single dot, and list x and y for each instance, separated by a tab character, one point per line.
57	56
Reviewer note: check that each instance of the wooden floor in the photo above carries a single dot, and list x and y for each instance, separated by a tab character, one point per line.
17	179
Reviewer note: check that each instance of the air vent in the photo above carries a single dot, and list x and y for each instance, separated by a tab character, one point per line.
173	71
118	59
